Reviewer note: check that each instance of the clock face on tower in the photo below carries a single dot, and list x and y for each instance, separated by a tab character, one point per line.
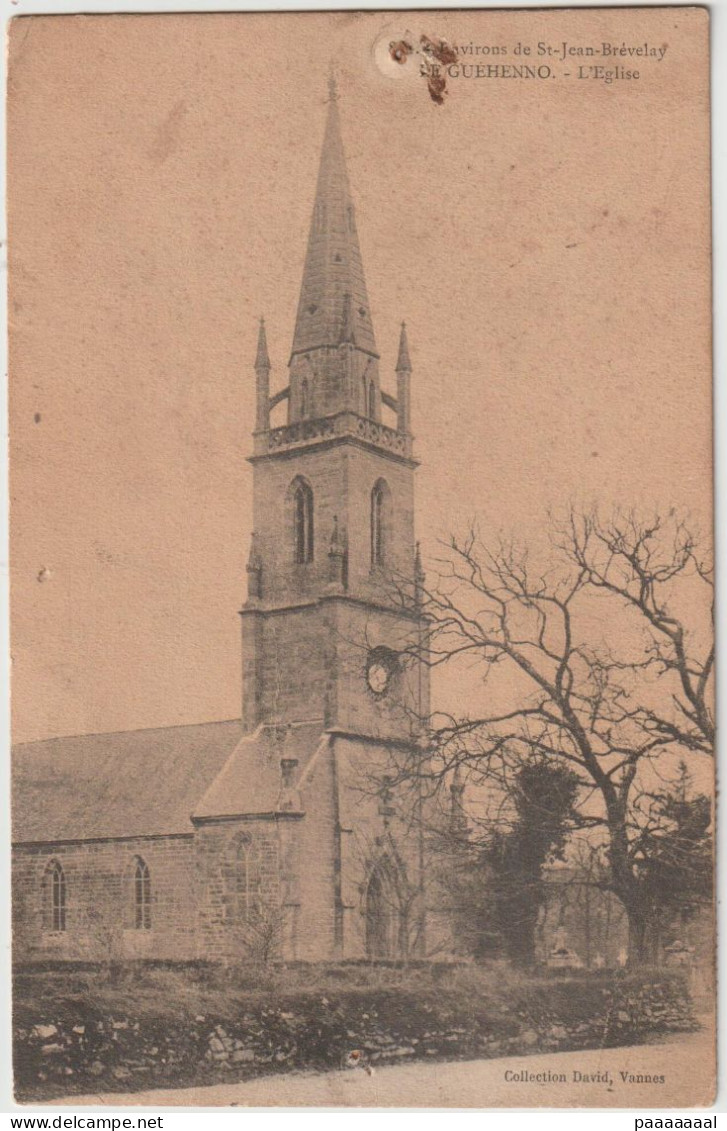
381	666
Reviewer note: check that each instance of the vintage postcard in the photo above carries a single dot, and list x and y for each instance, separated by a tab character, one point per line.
361	523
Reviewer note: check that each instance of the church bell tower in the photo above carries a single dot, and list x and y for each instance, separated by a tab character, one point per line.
331	623
333	555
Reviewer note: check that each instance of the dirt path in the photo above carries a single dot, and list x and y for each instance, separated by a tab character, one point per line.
686	1064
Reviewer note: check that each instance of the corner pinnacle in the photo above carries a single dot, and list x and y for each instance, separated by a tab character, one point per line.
262	361
403	363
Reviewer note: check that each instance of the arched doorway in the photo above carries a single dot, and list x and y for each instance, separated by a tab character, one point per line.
384	919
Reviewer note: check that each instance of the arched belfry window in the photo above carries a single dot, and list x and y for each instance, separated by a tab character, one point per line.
54	897
304	398
372	400
380	508
302	521
142	895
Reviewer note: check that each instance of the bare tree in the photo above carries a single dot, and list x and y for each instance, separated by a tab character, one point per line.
609	690
638	562
261	934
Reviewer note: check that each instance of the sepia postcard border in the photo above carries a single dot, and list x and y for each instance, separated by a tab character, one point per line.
16	8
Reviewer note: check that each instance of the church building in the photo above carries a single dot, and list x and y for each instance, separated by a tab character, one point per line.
275	835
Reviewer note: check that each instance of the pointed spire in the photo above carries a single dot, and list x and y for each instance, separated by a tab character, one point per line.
333	267
403	381
403	364
262	381
254	571
262	361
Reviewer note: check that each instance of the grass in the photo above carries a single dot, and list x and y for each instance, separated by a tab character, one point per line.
176	991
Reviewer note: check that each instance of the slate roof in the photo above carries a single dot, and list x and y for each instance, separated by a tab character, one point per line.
131	783
250	781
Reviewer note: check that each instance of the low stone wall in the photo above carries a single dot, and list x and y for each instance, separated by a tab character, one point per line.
62	1053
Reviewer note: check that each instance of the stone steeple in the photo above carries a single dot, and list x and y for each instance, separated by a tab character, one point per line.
333	306
334	384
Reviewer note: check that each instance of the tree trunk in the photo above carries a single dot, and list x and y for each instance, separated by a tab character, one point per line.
625	885
639	951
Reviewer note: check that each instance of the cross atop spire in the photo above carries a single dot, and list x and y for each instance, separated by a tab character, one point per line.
333	267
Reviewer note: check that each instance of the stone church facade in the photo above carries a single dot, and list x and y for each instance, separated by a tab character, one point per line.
275	834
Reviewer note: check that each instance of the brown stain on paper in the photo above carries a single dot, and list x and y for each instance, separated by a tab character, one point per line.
435	53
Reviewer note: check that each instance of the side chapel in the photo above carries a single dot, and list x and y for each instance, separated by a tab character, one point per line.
267	835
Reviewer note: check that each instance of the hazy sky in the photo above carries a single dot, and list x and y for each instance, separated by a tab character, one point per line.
546	241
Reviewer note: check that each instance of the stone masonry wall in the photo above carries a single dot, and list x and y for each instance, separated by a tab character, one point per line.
287	660
241	901
99	885
373	833
315	860
341	478
283	580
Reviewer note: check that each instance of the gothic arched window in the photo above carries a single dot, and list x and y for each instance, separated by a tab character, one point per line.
142	896
372	400
303	522
379	521
54	897
304	398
